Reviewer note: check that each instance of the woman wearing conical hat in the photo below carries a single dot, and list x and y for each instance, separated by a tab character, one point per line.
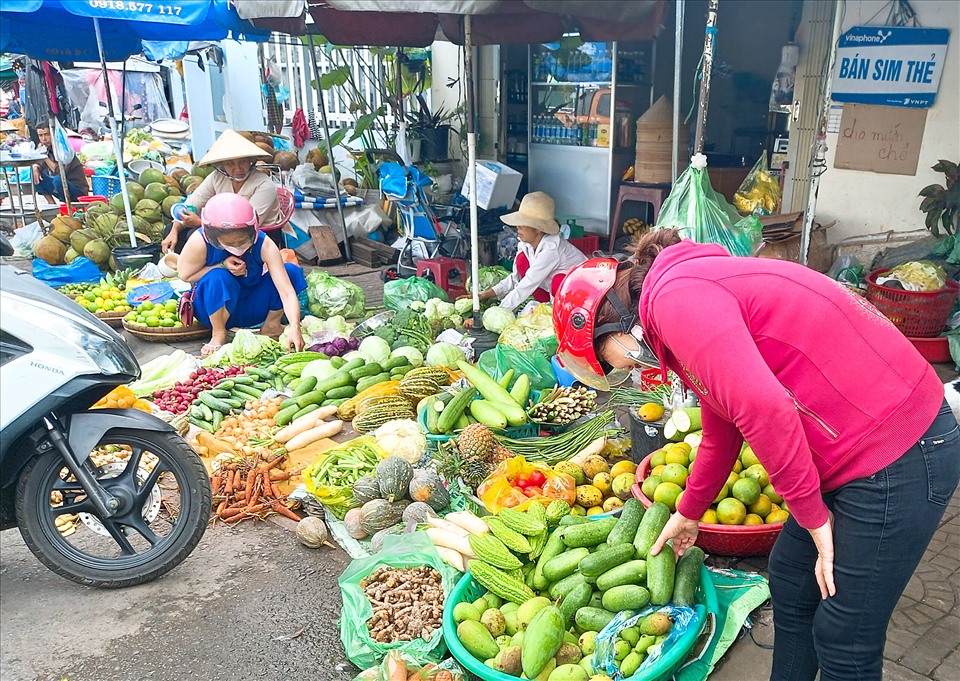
233	158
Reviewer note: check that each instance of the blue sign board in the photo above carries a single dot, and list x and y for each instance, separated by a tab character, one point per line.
889	65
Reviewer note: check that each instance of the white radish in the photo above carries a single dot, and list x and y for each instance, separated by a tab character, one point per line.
452	558
442	524
468	521
325	429
449	540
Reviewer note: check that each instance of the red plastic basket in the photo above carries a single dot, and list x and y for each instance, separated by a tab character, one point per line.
651	378
587	244
721	540
917	314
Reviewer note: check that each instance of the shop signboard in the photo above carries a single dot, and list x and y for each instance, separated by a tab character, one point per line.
890	65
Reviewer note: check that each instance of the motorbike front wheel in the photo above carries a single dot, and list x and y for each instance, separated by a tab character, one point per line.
165	500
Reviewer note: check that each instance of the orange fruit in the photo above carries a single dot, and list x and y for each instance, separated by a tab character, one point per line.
762	506
746	490
677	456
731	511
752	519
710	517
758	473
658	458
776	517
675	473
650	412
623	467
650	485
657	470
772	493
667	493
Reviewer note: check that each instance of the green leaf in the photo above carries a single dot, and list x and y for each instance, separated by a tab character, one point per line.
364	122
932	222
315	40
335	78
337	137
954	257
931	190
930	203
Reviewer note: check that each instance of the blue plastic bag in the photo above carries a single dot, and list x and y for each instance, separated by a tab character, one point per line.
80	271
603	657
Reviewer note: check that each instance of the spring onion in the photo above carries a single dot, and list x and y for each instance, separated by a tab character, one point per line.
556	448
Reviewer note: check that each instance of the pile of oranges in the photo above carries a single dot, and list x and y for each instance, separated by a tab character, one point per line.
122	397
102	299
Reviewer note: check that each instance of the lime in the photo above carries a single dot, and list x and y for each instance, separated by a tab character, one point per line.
90	295
752	519
667	493
130	317
146	306
649	485
730	511
722	494
677	456
772	493
758	473
709	517
153	321
746	490
658	458
777	517
167	323
171	305
748	457
675	473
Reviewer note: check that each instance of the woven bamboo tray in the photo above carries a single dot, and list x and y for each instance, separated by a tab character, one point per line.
113	319
166	334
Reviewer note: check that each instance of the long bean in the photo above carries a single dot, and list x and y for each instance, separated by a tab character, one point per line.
625	396
556	448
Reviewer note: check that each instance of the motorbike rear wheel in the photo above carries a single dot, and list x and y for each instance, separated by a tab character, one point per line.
165	499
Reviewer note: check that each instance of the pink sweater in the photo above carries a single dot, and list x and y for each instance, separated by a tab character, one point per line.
822	386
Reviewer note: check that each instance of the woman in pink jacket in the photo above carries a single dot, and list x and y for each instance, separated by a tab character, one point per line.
846	417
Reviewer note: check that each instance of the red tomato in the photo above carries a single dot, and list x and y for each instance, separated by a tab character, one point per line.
537	478
523	483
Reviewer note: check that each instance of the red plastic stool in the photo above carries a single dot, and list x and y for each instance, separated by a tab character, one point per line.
654	194
448	273
90	198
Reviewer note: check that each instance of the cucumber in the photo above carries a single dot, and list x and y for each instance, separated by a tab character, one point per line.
368	381
604	559
201	424
233	402
488	387
225	384
632	572
576	598
397	374
687	576
352	364
289	402
242	380
661	572
651	525
285	416
553	548
306	384
217	419
306	410
243	392
488	415
196	412
213	402
338	380
462	422
506	379
334	403
589	533
394	363
573	520
596	600
206	413
565	564
262	374
455	409
625	531
625	597
371	369
593	619
341	393
516	416
314	397
262	385
217	392
432	415
337	362
566	585
520	392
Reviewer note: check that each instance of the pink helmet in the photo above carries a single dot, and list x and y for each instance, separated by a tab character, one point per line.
228	213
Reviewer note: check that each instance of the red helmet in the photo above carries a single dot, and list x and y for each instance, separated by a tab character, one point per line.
228	213
575	308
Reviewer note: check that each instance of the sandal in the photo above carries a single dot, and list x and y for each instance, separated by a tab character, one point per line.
208	349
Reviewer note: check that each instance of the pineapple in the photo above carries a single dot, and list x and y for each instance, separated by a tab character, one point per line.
452	465
476	443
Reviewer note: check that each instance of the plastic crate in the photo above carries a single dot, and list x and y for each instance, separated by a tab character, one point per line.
918	314
517	433
105	185
468	590
651	378
721	540
586	244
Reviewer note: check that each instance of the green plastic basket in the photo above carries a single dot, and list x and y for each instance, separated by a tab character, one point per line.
468	590
517	433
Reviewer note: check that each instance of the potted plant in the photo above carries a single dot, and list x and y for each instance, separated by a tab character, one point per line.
942	207
432	129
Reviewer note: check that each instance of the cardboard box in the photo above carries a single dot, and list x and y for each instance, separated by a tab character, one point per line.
819	258
497	185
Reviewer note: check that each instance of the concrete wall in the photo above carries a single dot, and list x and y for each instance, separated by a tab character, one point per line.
865	203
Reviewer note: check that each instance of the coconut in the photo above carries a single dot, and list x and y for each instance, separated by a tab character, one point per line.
50	249
70	256
150	175
156	191
260	138
97	251
170	181
318	157
63	227
168	203
79	239
192	188
135	192
200	171
178	174
116	204
148	209
189	180
287	160
174	190
266	147
247	135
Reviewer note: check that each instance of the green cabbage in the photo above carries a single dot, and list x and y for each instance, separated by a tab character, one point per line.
330	296
374	349
319	368
444	355
489	277
496	319
414	356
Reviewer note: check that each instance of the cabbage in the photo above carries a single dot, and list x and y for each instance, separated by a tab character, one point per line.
496	319
319	369
414	356
374	349
330	296
489	277
444	355
354	354
463	305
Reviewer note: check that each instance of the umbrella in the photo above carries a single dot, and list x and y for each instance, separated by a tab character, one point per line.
68	30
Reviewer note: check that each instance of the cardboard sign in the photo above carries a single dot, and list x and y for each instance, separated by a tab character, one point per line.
881	139
889	65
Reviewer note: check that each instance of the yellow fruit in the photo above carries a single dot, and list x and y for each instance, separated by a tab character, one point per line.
758	473
588	495
622	486
737	466
748	457
675	473
668	493
604	483
658	458
723	493
693	453
573	470
680	447
594	465
746	490
650	412
623	467
677	456
776	517
762	506
650	485
577	509
612	504
772	493
658	469
752	519
731	511
732	478
595	510
709	517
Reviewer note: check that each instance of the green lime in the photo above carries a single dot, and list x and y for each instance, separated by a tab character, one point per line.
171	305
146	306
153	321
167	323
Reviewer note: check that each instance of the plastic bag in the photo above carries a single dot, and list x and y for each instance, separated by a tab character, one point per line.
489	277
497	492
408	550
701	214
683	618
529	328
62	150
396	664
759	193
329	296
80	271
535	362
399	293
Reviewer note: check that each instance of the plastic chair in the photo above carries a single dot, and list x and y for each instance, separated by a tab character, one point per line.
287	205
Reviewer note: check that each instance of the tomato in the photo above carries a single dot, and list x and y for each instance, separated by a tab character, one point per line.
533	491
523	483
537	478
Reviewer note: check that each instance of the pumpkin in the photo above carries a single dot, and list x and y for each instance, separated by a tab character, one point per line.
352	523
393	476
312	532
379	514
366	489
425	486
376	541
417	512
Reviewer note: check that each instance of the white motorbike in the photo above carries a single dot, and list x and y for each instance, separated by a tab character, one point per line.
103	497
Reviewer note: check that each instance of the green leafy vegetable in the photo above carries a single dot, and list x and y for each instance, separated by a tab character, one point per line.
330	296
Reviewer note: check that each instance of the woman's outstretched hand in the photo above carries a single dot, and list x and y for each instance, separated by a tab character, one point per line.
682	530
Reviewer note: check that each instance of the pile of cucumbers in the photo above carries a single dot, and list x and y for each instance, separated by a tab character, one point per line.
229	396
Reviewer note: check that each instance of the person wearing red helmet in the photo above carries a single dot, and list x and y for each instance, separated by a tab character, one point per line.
228	260
777	355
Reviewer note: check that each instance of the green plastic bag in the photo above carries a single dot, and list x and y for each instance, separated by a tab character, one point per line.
535	362
701	214
399	293
402	550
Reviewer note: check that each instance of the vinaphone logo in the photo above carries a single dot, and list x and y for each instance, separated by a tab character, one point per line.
879	38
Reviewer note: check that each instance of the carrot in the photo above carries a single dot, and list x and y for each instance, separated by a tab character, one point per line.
234	512
277	476
250	477
269	465
255	490
284	511
319	432
228	486
222	507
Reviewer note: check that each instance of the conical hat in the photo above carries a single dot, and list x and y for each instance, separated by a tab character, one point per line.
231	145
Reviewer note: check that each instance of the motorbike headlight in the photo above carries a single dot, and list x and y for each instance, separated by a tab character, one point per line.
110	353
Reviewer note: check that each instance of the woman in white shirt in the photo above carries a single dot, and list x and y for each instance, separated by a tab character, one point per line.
543	257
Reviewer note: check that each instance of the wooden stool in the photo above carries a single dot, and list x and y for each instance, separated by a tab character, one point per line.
654	194
450	274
